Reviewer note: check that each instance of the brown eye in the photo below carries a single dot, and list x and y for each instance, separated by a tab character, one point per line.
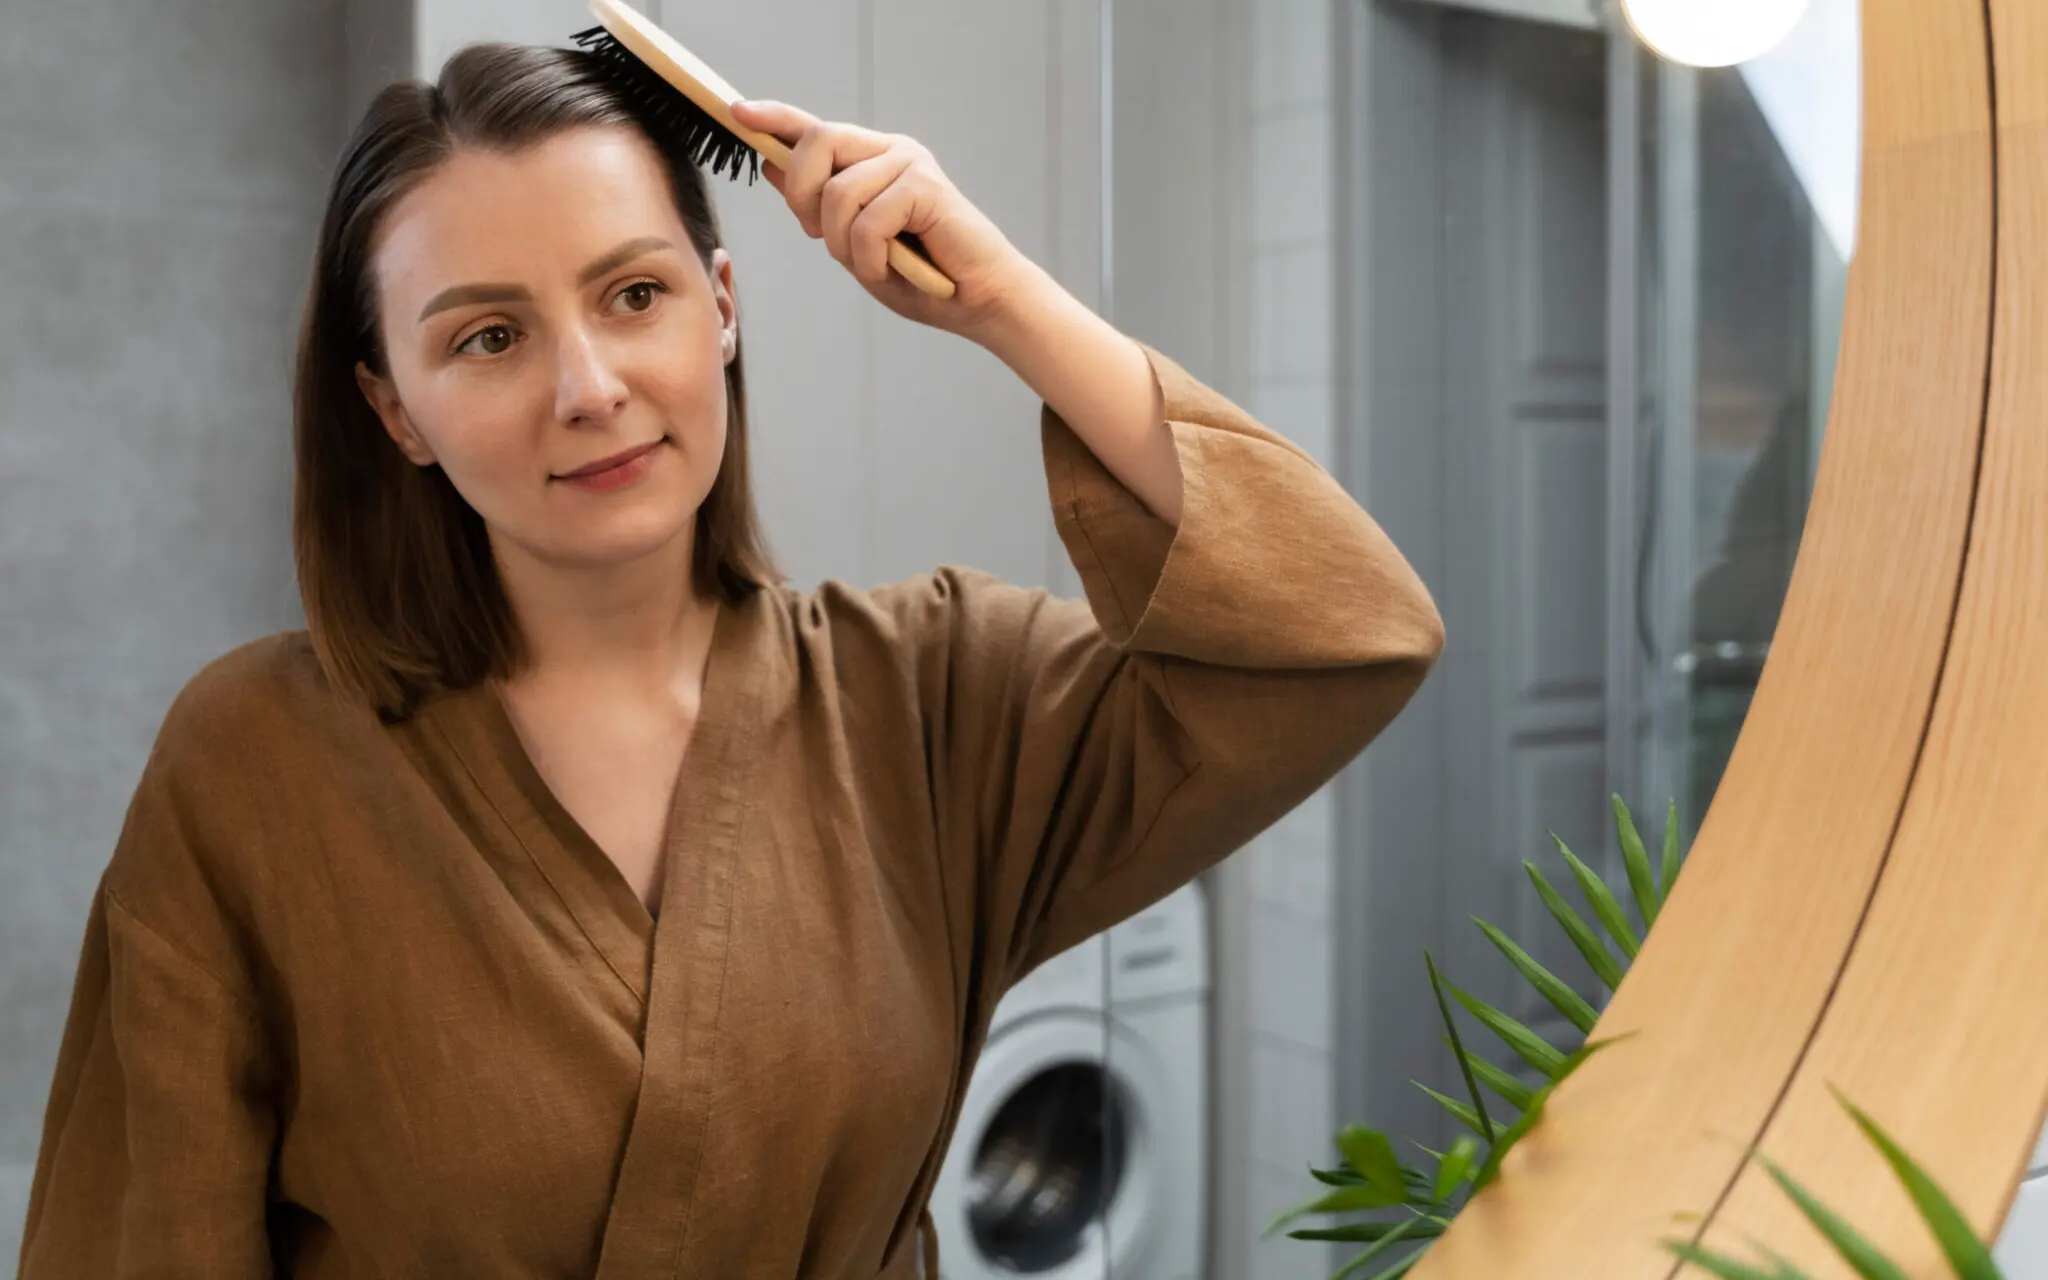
501	333
641	295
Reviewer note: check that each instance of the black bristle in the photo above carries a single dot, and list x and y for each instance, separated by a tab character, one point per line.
667	111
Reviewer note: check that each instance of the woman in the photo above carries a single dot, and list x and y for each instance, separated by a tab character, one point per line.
574	898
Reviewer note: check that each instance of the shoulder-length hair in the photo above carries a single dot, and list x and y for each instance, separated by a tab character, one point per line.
401	594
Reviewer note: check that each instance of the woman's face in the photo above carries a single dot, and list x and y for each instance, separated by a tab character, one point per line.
543	310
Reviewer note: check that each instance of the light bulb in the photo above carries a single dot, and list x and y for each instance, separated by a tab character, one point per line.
1713	33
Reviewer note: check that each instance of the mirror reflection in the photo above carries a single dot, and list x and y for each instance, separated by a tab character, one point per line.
1557	309
1564	314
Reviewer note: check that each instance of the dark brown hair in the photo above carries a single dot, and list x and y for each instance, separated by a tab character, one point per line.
401	594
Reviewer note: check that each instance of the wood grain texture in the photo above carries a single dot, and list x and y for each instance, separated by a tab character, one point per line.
1937	1027
1722	1004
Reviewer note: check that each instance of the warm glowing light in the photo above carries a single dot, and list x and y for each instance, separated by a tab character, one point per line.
1713	33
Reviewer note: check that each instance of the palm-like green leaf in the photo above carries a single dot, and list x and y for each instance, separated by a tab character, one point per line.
1966	1254
1404	1231
1583	938
1548	985
1463	1114
1531	1048
1371	1156
1437	984
1855	1248
1338	1200
1606	907
1636	861
1671	854
1418	1182
1727	1268
1527	1120
1368	1232
1454	1168
1374	1179
1511	1091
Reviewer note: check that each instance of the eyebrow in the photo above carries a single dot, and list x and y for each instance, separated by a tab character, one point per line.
466	294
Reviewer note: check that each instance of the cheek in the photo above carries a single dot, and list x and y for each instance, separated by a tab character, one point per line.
482	440
476	443
700	417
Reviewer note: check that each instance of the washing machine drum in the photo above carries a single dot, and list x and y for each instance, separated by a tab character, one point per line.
1048	1167
1054	1166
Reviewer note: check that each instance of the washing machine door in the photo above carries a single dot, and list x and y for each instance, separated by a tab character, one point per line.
1055	1168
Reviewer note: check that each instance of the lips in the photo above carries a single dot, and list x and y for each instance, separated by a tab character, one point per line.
606	464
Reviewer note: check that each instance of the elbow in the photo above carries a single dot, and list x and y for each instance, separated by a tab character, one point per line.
1431	646
1418	636
1417	645
1405	627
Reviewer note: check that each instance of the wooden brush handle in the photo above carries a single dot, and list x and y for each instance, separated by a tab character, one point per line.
709	90
908	262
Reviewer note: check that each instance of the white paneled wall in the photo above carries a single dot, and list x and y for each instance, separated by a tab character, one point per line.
1291	388
1224	252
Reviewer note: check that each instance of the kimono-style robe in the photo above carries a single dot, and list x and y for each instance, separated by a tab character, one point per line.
364	1000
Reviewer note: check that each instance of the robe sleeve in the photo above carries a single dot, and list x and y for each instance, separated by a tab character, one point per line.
157	1138
1089	758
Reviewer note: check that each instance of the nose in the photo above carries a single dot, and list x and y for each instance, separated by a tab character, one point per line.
587	388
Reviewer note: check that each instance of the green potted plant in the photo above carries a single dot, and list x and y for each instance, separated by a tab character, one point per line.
1399	1208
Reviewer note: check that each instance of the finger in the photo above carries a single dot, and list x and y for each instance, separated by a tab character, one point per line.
903	206
778	178
778	118
820	153
849	193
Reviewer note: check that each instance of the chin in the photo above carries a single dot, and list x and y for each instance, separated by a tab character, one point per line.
634	539
622	536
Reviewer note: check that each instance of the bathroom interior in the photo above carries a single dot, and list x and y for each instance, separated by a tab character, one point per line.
1562	312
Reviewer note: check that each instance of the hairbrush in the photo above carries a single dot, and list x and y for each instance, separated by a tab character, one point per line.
693	103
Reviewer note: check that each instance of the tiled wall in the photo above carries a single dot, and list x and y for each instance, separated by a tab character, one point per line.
1291	389
155	226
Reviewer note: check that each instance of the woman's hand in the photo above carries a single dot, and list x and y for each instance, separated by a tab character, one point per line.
856	190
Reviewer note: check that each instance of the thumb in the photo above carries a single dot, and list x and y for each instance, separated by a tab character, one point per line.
777	118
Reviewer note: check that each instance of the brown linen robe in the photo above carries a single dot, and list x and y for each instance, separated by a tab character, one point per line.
364	1000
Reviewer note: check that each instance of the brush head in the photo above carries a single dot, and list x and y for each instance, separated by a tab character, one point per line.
709	144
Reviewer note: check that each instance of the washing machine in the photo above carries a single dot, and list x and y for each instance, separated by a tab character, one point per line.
1082	1147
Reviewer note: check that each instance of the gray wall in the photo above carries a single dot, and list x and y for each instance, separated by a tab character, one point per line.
159	182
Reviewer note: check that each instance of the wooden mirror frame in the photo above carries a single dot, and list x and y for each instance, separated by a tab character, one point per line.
1866	905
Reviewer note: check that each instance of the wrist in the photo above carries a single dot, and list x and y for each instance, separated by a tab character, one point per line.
1021	313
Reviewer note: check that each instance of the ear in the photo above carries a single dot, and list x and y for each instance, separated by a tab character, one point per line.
383	398
728	303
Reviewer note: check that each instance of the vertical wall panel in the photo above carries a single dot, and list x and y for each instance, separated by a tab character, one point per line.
160	178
